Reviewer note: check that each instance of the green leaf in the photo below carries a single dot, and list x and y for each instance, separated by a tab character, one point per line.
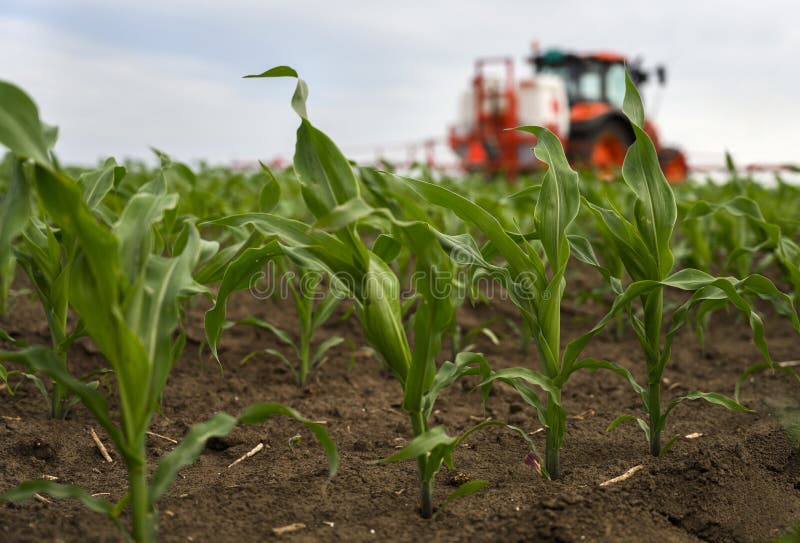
470	487
711	397
277	71
134	231
632	103
29	489
559	198
344	215
153	311
668	445
467	363
300	93
15	211
97	183
434	275
327	177
44	360
270	193
21	131
527	375
619	420
386	247
473	214
315	248
238	275
281	334
186	452
382	318
595	364
259	412
421	445
655	210
324	347
325	308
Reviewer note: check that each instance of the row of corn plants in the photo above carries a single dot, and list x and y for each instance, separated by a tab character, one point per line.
126	281
116	253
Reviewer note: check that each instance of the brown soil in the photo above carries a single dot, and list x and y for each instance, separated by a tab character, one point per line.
739	481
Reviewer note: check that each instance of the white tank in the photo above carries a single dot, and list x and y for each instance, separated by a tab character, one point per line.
543	102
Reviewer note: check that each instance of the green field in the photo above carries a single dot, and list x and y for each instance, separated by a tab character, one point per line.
118	254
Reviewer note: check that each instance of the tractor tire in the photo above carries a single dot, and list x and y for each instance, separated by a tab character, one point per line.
673	164
602	148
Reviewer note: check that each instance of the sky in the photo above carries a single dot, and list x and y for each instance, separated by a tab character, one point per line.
120	76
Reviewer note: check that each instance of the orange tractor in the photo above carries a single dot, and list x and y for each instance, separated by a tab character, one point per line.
577	96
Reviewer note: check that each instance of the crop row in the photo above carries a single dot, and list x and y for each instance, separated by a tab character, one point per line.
123	249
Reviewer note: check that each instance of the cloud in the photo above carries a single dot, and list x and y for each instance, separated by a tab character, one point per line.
110	101
119	77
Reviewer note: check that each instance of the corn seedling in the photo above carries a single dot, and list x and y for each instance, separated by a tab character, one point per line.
129	300
314	305
643	244
535	282
332	195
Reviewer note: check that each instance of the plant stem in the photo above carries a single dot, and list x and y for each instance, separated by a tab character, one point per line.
654	402
305	353
653	307
140	506
425	487
553	435
57	398
554	413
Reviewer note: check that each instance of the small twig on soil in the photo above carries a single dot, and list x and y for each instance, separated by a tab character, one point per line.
536	431
6	417
693	435
289	528
50	477
165	438
585	415
328	523
789	363
622	477
100	445
251	452
97	494
42	499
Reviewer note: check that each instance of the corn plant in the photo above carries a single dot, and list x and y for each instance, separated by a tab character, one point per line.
768	238
533	274
314	305
643	243
15	211
332	195
129	300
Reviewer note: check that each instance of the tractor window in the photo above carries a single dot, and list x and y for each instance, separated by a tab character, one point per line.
615	84
590	86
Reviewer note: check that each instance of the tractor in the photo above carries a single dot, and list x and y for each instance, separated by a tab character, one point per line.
577	96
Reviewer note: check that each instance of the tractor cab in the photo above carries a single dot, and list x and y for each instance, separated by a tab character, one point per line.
599	77
577	96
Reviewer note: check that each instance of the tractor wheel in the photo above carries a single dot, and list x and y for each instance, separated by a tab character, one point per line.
604	148
673	164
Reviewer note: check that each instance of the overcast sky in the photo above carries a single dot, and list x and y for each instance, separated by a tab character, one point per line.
120	76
